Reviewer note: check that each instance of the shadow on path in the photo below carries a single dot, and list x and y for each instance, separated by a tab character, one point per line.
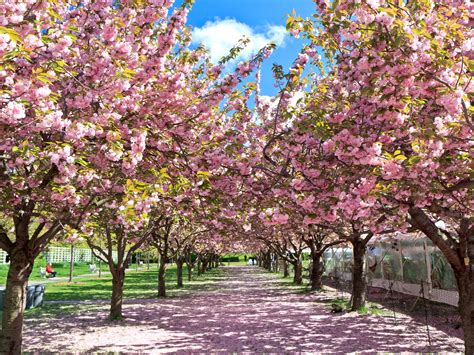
243	309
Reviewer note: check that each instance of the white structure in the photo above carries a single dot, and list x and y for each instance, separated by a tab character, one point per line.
412	266
63	254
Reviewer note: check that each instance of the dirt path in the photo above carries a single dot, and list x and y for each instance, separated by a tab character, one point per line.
244	309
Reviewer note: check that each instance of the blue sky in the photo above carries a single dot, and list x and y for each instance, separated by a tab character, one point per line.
220	23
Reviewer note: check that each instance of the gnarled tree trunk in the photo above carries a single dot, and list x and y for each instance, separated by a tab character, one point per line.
317	269
465	283
162	276
298	272
359	281
179	272
204	265
116	302
267	261
286	271
199	267
21	266
190	265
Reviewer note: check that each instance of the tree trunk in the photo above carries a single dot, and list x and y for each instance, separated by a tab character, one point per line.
359	281
179	272
116	301
162	277
15	300
267	261
189	264
204	266
71	266
317	271
460	254
199	267
298	272
190	272
466	308
276	266
286	272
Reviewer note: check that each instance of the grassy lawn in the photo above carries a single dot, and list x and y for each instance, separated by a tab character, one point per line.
138	284
62	270
141	283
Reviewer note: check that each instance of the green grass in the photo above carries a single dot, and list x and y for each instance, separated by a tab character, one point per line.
62	270
374	309
344	303
369	308
138	284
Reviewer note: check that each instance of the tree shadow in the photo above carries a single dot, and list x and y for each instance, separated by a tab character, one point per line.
241	309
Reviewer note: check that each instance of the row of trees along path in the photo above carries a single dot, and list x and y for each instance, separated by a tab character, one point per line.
116	130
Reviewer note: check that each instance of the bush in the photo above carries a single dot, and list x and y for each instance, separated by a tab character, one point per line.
60	265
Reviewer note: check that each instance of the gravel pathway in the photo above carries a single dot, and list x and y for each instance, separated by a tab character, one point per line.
243	310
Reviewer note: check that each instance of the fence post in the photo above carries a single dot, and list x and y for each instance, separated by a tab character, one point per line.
71	266
400	255
428	268
382	274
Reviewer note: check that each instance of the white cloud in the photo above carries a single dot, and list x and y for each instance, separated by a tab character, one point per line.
269	105
272	101
220	36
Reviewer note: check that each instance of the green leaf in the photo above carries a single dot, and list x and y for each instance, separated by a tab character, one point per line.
14	35
204	174
54	14
82	162
44	78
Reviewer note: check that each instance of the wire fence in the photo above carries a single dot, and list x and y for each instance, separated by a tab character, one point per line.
409	277
62	254
411	267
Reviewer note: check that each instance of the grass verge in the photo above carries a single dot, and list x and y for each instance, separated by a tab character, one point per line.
92	293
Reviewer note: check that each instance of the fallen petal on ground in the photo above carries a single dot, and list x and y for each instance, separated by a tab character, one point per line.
244	309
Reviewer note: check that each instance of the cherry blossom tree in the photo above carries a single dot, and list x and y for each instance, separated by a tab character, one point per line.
91	94
120	225
70	82
319	239
397	104
187	233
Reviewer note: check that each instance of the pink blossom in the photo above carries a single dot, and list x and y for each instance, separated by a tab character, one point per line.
373	3
384	19
109	33
15	111
310	220
43	92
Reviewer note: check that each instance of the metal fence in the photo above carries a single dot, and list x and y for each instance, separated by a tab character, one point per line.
410	266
